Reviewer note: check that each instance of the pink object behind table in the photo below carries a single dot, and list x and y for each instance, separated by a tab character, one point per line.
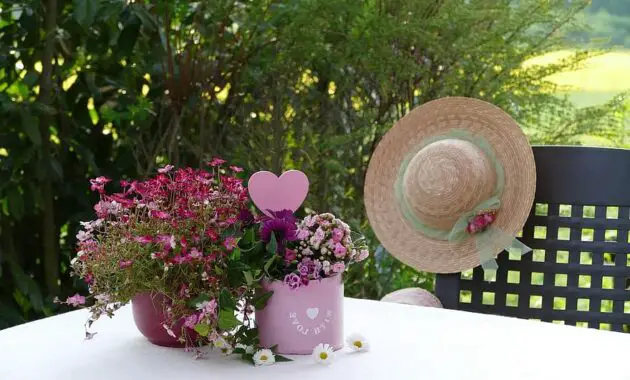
297	320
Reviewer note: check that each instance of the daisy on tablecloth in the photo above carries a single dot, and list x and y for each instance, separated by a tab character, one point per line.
323	354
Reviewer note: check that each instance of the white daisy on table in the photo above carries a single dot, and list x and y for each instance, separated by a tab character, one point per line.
264	357
323	354
358	343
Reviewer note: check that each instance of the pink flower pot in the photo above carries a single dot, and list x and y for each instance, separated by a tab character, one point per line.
148	314
297	320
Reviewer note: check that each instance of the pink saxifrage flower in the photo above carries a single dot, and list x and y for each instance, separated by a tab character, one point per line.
230	243
146	239
76	300
98	183
165	169
217	161
236	169
191	321
123	264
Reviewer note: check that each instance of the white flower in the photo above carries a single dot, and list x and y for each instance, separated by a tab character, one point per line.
172	241
247	349
358	343
264	357
223	345
323	354
102	298
326	266
307	252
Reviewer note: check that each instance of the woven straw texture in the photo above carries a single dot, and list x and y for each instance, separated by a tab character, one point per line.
446	179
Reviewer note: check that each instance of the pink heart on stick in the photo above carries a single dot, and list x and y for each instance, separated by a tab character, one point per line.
270	193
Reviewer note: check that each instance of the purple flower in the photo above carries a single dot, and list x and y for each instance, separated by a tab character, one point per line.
304	280
318	237
76	300
303	268
282	225
338	267
337	235
292	280
245	217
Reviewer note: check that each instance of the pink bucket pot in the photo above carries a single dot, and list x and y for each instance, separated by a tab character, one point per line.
148	314
297	320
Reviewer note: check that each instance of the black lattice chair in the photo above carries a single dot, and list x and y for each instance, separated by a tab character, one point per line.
579	270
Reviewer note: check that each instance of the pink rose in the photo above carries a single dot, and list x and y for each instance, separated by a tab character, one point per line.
290	255
338	267
363	254
337	235
303	234
340	250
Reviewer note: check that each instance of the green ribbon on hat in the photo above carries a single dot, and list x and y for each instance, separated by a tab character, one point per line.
488	241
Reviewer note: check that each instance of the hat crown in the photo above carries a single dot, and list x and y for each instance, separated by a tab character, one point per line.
446	179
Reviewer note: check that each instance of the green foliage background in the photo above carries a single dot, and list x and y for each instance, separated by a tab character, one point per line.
117	88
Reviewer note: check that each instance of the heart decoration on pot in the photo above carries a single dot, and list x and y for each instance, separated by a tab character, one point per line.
271	193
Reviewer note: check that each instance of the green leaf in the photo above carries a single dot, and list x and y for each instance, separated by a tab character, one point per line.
239	351
227	320
236	254
249	279
29	124
203	329
16	203
280	358
248	238
260	301
218	270
272	246
248	358
143	14
226	301
85	11
269	263
56	169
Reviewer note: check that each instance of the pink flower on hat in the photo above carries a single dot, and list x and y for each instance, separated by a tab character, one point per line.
480	222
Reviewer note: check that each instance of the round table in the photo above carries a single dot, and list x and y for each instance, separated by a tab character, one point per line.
407	342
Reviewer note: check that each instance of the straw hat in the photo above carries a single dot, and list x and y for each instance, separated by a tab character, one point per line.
437	168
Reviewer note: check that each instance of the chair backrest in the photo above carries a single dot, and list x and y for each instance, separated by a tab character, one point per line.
579	270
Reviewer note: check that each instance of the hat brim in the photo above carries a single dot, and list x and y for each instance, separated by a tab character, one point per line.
438	117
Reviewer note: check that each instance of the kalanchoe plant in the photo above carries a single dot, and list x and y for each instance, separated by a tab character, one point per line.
178	235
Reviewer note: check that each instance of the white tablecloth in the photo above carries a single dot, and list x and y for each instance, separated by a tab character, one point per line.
408	342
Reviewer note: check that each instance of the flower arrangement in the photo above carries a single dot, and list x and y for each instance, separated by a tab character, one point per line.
175	235
188	239
313	248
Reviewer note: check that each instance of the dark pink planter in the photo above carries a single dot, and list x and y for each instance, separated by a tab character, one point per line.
148	314
297	320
